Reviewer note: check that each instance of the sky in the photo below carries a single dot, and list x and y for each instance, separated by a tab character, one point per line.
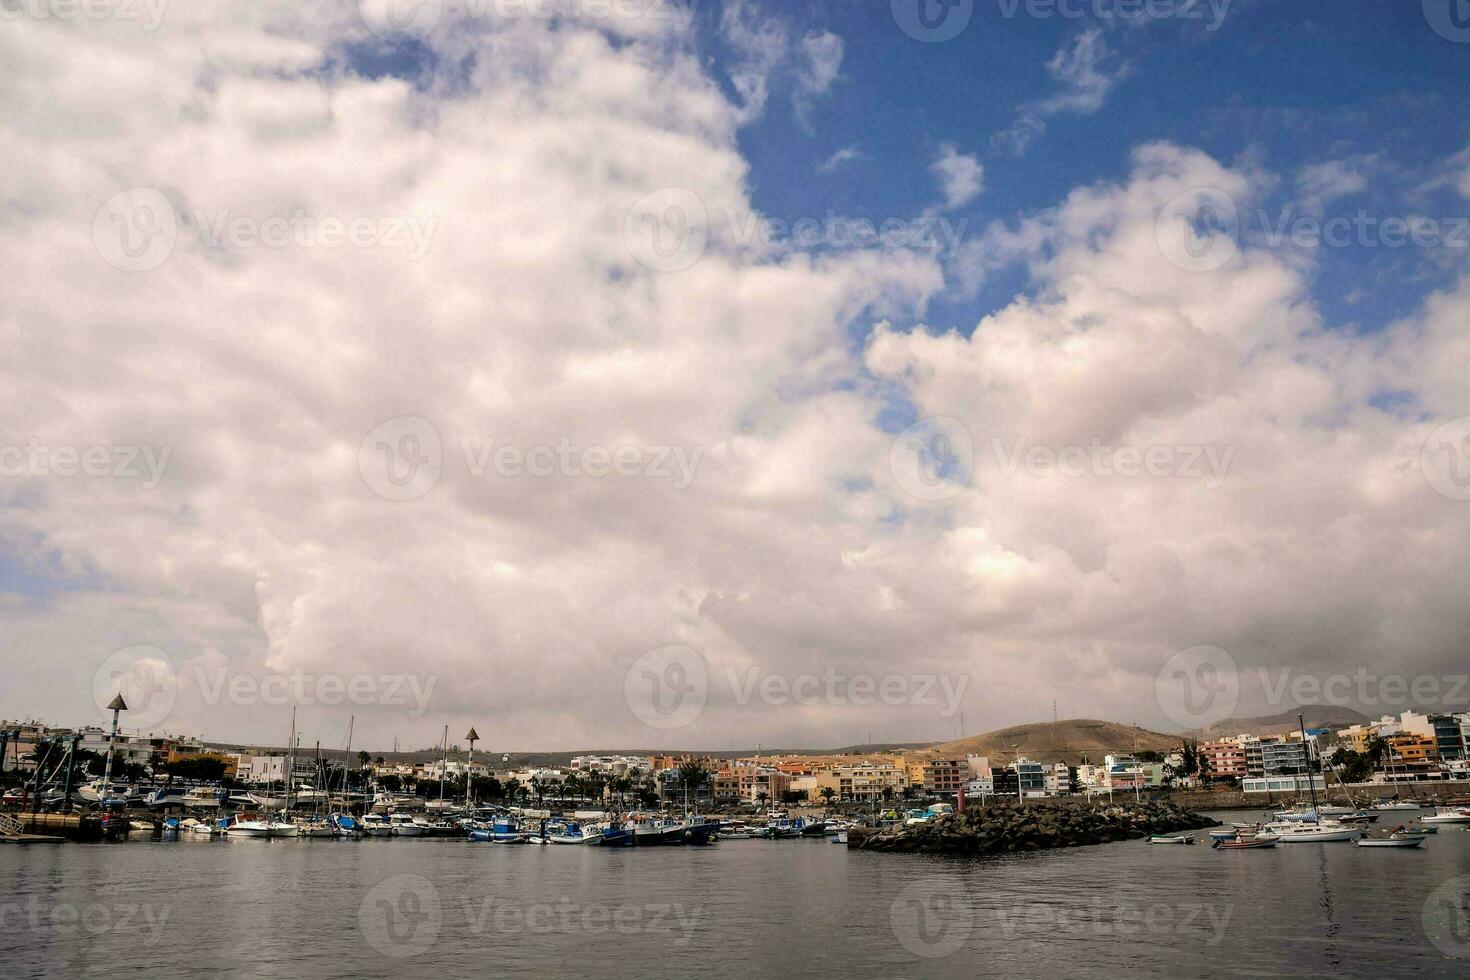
660	373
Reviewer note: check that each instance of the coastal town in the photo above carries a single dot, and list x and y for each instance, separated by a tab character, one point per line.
1413	748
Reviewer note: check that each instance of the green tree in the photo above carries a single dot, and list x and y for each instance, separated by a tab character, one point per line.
693	776
826	794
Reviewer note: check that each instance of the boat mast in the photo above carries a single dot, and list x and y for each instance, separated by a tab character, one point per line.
1307	760
347	757
291	759
443	763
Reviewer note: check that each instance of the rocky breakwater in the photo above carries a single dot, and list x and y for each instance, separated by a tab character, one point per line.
999	828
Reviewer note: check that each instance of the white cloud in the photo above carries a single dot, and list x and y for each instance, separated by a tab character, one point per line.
765	53
1088	71
531	321
838	160
1320	184
961	177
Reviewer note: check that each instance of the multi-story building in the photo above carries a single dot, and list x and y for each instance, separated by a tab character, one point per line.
1031	775
1222	760
979	787
1005	782
1449	735
1280	758
264	769
943	777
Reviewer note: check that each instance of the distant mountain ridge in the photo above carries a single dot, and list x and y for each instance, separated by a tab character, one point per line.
1059	741
1315	716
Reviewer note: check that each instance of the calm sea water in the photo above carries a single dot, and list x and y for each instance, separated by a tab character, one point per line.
441	908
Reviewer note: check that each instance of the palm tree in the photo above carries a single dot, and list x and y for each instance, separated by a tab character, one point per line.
761	798
826	794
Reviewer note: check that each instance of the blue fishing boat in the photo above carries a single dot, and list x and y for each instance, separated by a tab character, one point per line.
506	830
700	831
617	835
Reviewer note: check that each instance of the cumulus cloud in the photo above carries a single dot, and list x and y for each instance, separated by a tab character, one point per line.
613	432
961	177
764	52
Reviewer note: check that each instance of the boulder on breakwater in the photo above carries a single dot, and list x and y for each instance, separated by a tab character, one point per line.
999	828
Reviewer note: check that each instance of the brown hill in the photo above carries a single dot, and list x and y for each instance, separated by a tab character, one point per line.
1059	741
1316	716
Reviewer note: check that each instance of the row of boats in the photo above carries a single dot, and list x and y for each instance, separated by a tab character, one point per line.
641	830
1316	826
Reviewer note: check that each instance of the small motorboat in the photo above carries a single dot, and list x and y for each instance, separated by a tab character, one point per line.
1394	805
840	837
1395	840
1447	814
1225	833
404	825
1171	839
1246	843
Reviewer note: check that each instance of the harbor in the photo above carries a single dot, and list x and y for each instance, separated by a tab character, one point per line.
797	907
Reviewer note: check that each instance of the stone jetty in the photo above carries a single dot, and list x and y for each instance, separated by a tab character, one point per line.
999	828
